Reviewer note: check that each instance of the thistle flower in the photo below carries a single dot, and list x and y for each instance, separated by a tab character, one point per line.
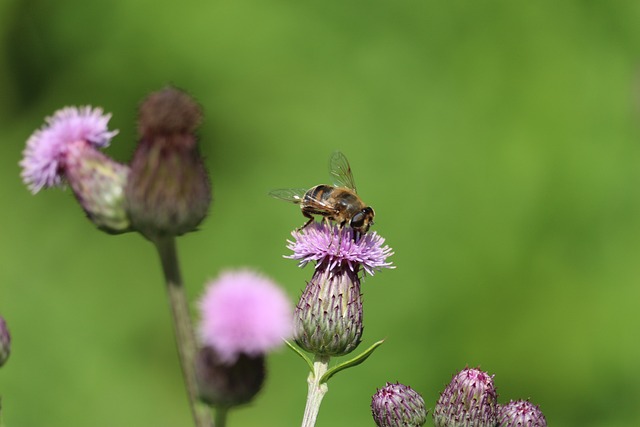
328	317
5	341
398	405
470	400
244	315
168	191
43	164
65	150
335	248
520	413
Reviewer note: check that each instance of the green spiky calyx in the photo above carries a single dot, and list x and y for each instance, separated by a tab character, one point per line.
223	384
99	183
328	318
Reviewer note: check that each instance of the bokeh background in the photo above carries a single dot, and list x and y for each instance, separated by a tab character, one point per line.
498	141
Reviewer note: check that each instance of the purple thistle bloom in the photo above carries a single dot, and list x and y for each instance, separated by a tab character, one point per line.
244	313
328	317
521	413
43	163
336	248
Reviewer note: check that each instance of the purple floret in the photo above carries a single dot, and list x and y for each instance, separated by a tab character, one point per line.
335	247
43	161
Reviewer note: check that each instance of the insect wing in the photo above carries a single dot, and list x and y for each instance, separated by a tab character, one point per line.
294	195
341	171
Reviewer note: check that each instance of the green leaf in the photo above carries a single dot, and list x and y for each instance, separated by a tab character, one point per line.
350	363
301	354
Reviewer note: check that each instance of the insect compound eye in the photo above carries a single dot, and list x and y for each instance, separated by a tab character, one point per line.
357	221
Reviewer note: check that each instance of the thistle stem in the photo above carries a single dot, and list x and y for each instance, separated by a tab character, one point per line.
185	339
221	416
316	391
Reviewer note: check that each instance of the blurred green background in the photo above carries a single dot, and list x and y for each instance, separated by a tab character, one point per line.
498	141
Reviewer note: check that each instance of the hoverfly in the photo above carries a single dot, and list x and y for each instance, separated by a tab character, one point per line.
338	202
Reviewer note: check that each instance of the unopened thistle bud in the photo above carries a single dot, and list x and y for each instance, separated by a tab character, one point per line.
168	192
398	405
520	413
5	341
470	400
66	151
328	317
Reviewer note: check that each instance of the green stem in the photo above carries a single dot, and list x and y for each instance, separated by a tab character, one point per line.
316	391
221	416
185	339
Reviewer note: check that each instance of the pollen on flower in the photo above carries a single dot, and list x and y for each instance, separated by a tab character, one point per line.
324	243
43	158
243	312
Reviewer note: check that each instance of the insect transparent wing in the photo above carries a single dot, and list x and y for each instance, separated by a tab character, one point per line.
341	171
294	195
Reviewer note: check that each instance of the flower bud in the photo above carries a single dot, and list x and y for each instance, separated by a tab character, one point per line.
398	405
520	413
98	183
470	400
5	341
221	384
168	192
328	317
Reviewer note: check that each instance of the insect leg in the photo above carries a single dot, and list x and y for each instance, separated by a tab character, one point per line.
306	224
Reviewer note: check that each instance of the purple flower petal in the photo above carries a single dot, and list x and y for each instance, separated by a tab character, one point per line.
244	312
43	161
320	242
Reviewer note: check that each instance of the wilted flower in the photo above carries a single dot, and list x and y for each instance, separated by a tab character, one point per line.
328	317
520	413
168	191
470	400
66	151
398	405
5	341
244	315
